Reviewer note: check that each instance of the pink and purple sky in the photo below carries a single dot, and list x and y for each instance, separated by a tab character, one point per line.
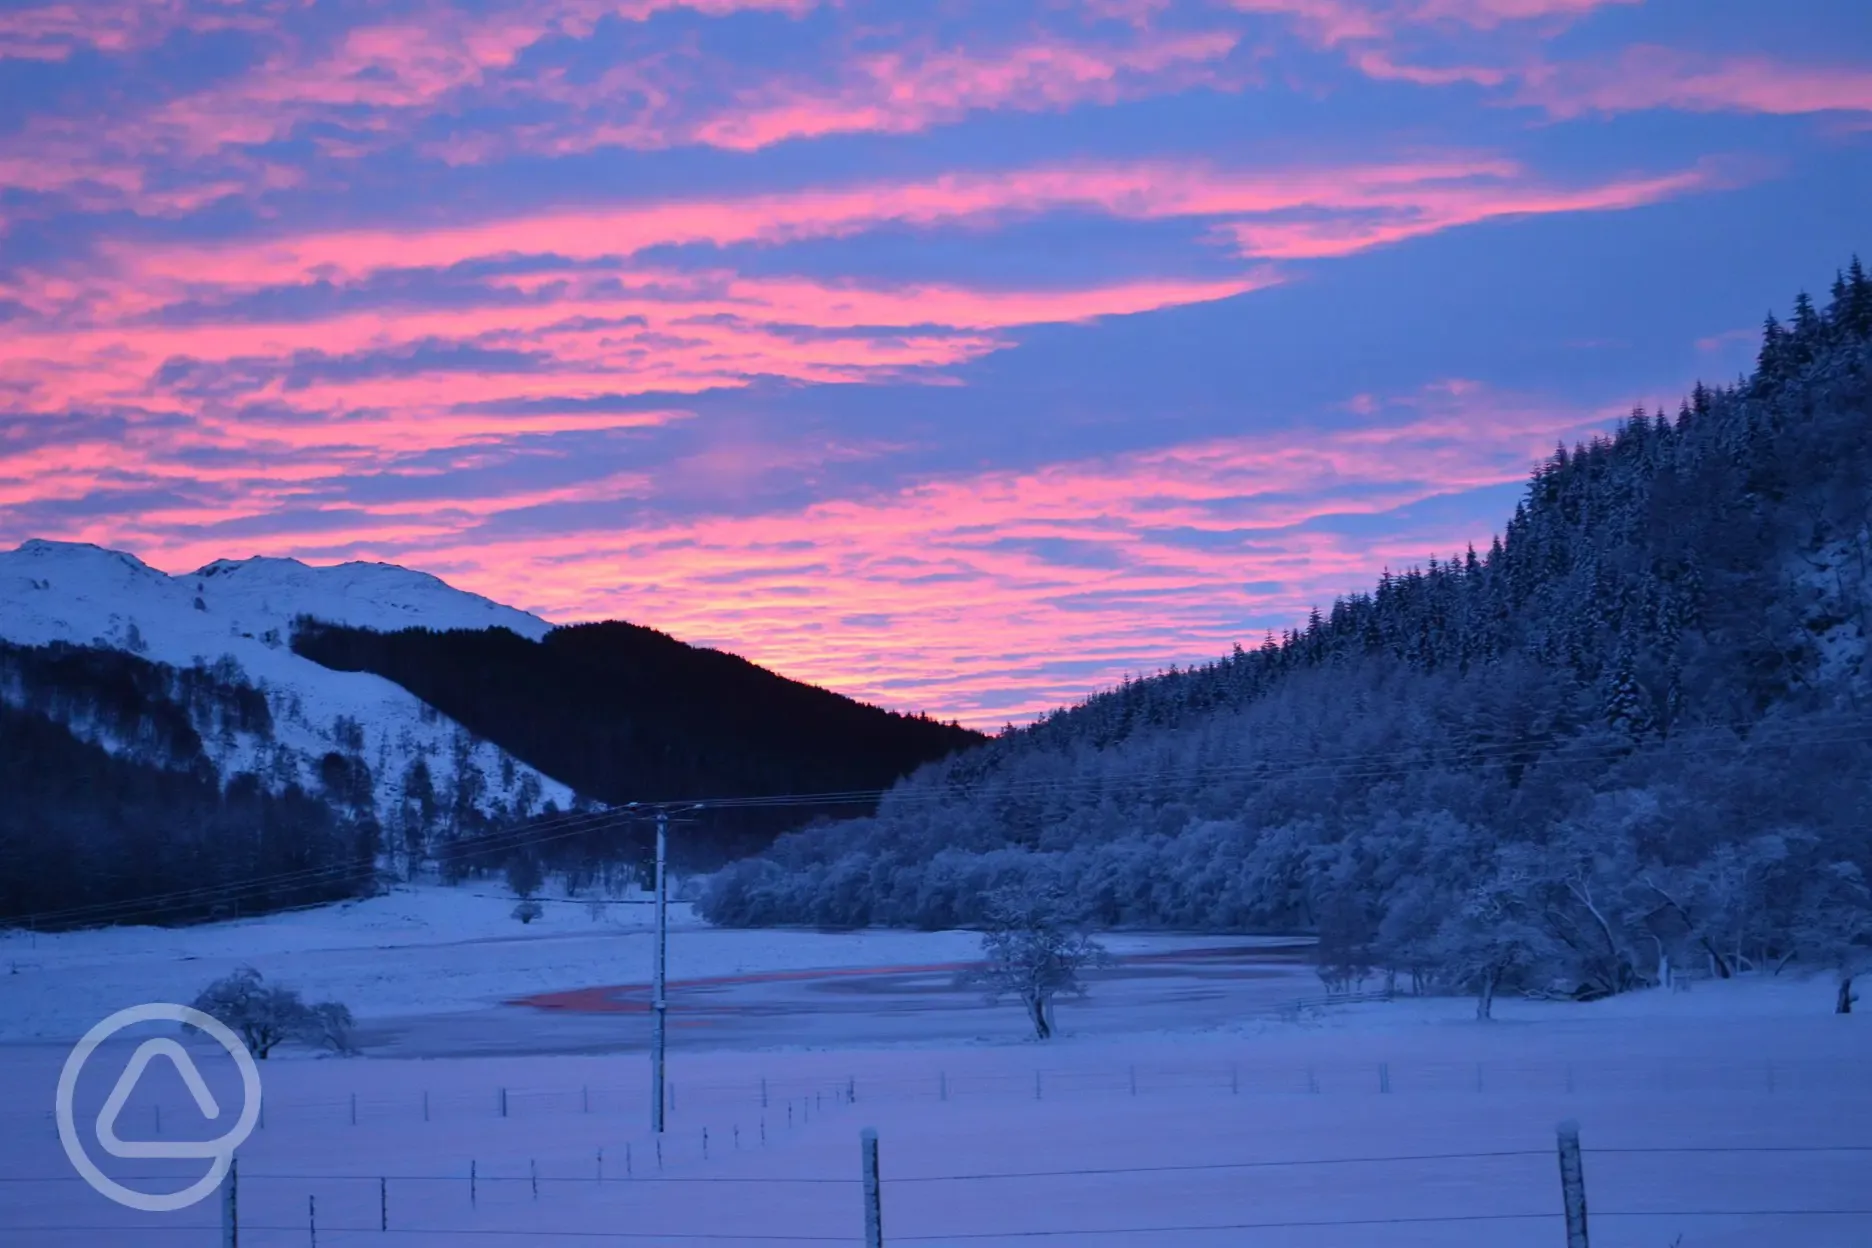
960	356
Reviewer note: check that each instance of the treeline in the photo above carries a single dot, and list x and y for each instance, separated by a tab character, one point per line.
1634	729
623	713
113	813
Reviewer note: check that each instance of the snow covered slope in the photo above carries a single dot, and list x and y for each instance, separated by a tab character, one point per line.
242	610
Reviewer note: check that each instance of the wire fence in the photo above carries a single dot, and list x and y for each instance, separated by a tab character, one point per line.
745	1101
339	1208
608	1193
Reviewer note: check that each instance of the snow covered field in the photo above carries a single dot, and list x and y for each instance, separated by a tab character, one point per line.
424	949
1734	1114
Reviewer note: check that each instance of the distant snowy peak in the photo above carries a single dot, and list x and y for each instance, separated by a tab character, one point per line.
381	596
243	611
86	586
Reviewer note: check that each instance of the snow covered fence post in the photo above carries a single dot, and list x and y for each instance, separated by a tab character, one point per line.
873	1197
230	1206
1572	1185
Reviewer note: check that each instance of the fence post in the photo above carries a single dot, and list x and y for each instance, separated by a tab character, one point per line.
763	1092
230	1206
873	1198
503	1102
1572	1184
942	1085
1234	1081
1036	1085
383	1204
354	1109
704	1143
584	1099
1384	1076
533	1173
601	1165
471	1184
1134	1081
312	1219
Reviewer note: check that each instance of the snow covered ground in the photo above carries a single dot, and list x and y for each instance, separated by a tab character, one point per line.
425	949
1731	1115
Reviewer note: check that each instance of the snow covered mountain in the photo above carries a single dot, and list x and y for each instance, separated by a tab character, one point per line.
235	617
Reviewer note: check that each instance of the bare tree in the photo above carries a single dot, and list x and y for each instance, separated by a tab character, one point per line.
1034	948
267	1016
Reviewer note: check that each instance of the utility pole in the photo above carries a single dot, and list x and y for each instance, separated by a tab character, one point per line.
659	1000
659	1007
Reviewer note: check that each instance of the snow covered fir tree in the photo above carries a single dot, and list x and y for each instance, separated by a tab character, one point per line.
1633	734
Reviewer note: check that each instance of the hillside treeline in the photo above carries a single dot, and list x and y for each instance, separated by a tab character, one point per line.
1637	728
112	812
622	713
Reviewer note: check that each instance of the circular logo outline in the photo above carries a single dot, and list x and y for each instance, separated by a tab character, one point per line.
221	1150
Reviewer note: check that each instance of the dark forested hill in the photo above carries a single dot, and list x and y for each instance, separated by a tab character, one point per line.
110	812
623	713
1638	725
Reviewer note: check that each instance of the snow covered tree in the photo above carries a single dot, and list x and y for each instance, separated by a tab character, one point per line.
1034	949
268	1015
1834	928
1493	943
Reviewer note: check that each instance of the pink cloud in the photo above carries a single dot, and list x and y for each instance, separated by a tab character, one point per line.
1431	211
1353	206
900	91
1655	77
